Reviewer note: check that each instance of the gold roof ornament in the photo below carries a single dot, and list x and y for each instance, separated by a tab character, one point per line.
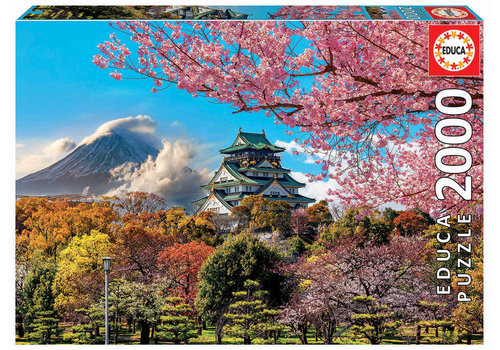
263	132
239	130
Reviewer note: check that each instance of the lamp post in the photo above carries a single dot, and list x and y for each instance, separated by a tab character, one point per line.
107	263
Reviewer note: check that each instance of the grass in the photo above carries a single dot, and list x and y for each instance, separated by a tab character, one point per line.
407	336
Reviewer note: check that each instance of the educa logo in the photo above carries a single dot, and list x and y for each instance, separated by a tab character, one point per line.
454	50
450	12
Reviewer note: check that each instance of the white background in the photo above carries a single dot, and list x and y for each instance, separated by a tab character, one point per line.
488	10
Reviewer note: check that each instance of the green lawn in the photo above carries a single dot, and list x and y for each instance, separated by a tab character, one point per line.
287	337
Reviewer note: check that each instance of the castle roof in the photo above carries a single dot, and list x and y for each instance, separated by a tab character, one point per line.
259	173
251	141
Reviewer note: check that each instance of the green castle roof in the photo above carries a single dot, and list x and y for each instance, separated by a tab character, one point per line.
252	141
233	169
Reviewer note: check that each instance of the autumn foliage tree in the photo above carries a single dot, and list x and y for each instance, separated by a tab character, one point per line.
79	276
260	214
358	91
409	223
318	215
182	263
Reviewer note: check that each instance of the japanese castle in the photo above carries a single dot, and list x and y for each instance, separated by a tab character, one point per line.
251	166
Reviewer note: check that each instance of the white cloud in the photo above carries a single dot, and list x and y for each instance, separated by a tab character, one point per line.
292	146
169	175
140	125
61	146
39	155
316	189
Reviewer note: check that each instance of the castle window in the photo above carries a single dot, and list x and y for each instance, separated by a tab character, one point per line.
224	178
275	193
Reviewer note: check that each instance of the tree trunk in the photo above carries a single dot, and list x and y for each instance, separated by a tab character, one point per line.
200	324
155	339
19	326
419	329
246	340
117	329
20	329
437	331
144	332
221	322
129	324
469	338
303	331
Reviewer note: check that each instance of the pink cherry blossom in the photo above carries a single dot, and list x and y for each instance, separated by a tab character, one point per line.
357	92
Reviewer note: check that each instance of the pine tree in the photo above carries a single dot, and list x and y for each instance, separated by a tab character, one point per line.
87	332
434	317
44	326
177	325
249	317
374	324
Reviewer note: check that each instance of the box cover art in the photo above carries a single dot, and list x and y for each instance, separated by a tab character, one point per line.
249	175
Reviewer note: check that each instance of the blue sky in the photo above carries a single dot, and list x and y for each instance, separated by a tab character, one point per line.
60	93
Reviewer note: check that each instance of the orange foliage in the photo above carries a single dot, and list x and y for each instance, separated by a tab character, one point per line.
408	223
182	262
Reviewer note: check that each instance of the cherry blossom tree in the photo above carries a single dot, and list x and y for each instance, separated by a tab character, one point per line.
392	276
355	93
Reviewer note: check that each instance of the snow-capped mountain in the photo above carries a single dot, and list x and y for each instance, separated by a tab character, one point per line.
87	168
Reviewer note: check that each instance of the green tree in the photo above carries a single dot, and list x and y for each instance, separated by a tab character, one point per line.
36	294
45	326
87	331
225	271
435	317
297	246
248	315
145	306
353	224
373	321
176	324
389	215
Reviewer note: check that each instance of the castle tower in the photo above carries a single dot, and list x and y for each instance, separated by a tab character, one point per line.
251	166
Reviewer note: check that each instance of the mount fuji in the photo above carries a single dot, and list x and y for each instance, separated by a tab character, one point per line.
87	168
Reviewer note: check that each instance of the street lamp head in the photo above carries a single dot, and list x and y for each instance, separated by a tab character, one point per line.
107	262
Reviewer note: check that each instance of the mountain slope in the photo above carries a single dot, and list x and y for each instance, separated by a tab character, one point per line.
87	167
